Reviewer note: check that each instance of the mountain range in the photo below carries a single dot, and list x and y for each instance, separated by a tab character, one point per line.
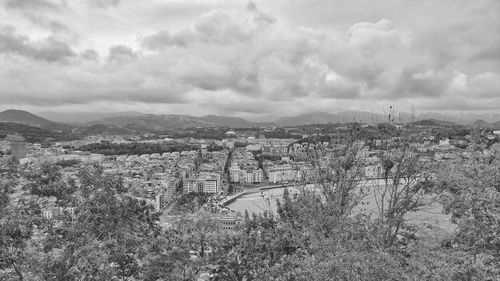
82	117
323	117
27	118
135	121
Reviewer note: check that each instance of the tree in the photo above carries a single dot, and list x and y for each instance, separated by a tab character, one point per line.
168	258
470	192
46	180
403	191
105	237
18	220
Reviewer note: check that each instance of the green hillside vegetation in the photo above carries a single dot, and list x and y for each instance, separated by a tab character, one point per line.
108	148
31	133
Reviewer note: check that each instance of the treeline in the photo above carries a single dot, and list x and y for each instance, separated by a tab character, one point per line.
280	133
33	134
108	148
191	202
216	133
339	132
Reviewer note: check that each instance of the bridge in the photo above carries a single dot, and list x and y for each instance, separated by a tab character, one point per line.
226	201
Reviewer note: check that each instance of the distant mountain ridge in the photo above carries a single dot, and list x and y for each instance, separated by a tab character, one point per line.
323	117
433	123
137	122
83	117
163	122
227	121
152	122
234	122
26	118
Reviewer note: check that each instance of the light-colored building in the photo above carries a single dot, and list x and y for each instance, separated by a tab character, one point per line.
252	175
85	157
230	221
17	146
203	182
283	174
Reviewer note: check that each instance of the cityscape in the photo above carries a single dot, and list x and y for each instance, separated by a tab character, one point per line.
249	140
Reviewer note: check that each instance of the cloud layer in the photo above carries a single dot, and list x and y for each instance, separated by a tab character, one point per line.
249	58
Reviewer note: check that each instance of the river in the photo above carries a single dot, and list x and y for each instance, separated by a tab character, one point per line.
266	201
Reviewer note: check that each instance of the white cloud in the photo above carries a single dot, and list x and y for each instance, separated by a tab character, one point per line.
459	82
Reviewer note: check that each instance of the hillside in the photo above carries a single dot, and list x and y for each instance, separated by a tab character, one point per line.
158	123
28	118
433	123
496	125
25	117
233	122
82	117
481	124
101	129
323	118
151	122
31	133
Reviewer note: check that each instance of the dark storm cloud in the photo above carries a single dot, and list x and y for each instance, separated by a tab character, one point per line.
48	49
9	42
90	54
121	54
68	89
51	50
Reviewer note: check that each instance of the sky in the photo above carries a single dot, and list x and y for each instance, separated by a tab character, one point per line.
253	59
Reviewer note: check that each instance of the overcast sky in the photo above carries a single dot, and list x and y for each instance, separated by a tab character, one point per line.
251	59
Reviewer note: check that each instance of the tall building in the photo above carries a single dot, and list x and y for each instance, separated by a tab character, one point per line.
249	175
203	182
17	146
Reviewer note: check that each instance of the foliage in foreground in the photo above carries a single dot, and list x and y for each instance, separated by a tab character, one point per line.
106	234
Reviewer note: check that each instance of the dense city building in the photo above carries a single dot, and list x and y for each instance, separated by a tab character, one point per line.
17	146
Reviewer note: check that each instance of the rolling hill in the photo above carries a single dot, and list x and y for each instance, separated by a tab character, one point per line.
137	122
152	122
83	117
26	118
433	123
496	125
234	122
227	121
32	133
323	117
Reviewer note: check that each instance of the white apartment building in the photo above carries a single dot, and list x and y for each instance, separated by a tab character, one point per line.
282	174
203	182
237	175
210	186
234	174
